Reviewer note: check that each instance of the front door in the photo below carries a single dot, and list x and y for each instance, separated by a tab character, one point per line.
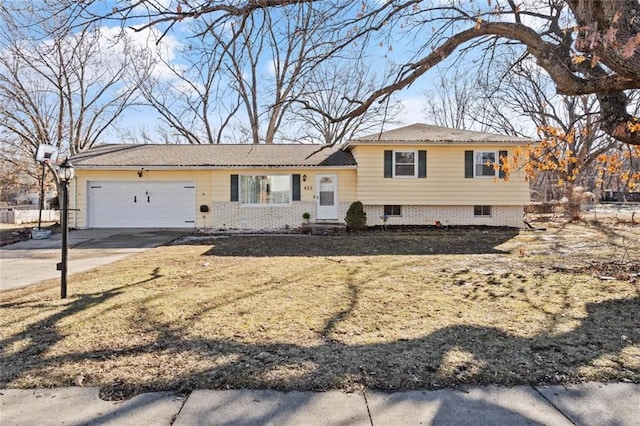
327	197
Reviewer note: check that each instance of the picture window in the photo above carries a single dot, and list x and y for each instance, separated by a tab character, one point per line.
270	189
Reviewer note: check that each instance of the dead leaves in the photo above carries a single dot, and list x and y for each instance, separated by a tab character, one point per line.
628	50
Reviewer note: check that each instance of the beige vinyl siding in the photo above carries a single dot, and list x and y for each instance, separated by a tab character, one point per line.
347	185
212	186
445	183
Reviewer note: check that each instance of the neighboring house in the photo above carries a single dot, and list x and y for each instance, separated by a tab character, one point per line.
415	175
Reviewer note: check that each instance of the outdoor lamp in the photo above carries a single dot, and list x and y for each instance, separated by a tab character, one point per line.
66	171
65	174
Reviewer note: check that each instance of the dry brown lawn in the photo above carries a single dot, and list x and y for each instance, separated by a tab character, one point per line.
386	310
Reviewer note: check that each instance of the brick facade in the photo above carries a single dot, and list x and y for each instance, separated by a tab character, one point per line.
233	215
448	215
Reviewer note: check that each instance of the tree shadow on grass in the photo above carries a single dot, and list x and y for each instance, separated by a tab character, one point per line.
450	356
493	356
485	355
43	334
426	242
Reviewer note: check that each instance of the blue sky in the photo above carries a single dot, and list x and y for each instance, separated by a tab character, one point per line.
396	46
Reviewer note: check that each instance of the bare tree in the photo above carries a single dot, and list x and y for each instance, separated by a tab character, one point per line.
194	100
328	92
461	99
266	57
521	100
573	143
586	47
65	88
19	174
455	102
238	83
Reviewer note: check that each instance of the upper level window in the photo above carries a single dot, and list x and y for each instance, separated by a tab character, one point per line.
404	163
484	163
270	189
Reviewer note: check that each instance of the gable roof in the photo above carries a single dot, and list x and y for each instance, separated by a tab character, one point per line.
421	133
212	156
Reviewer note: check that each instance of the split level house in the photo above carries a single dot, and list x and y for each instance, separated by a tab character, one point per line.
414	175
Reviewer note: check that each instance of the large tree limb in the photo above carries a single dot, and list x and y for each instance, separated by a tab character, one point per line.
610	30
546	54
615	119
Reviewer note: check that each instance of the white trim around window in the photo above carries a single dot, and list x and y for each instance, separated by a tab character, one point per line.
403	161
265	190
480	167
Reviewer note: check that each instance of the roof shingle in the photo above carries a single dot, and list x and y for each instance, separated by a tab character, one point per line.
426	133
210	155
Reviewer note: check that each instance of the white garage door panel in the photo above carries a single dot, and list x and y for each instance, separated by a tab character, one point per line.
140	204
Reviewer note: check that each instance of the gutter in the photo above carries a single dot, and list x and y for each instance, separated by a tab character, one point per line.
208	167
348	145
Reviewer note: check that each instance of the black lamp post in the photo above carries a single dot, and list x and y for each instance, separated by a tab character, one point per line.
65	174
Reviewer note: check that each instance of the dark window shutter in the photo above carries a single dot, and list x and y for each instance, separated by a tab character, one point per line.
234	188
295	196
502	155
422	164
468	164
388	164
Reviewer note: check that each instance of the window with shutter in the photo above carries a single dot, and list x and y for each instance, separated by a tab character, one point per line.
405	164
484	163
267	189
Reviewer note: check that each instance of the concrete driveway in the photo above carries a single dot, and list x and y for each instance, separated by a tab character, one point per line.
32	261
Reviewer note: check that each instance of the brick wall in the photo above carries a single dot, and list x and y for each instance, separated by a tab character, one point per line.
448	215
233	215
236	216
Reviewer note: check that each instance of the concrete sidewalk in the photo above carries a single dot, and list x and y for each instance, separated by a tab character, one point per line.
32	261
586	404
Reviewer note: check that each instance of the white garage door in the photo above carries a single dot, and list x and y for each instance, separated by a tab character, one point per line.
141	204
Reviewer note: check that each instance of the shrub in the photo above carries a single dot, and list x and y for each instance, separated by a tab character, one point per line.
306	216
356	219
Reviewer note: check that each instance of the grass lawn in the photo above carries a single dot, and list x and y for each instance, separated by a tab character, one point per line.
384	310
